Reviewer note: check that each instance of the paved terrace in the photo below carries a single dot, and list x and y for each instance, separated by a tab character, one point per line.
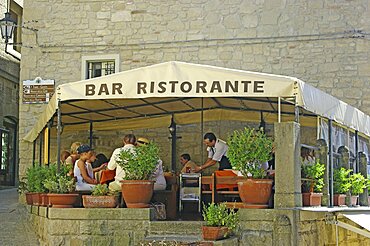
14	227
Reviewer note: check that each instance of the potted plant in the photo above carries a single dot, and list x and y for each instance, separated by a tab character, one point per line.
248	151
313	182
23	189
220	222
100	197
358	184
35	176
137	186
341	185
60	188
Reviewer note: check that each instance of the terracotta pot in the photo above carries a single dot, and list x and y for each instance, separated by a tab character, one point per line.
29	198
36	198
99	201
62	200
44	200
339	199
137	193
214	233
255	191
311	199
354	200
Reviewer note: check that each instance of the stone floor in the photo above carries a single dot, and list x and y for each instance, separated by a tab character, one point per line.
13	223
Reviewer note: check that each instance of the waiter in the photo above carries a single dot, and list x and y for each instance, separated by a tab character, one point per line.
217	152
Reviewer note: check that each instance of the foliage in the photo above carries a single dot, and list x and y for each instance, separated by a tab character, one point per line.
316	173
341	180
101	190
248	150
358	183
35	176
22	187
60	184
140	163
218	215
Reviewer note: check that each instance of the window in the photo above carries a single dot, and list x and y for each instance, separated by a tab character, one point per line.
97	66
16	12
4	150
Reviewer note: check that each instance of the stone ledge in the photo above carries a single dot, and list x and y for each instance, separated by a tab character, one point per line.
101	213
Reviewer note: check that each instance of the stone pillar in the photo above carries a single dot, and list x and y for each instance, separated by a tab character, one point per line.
363	200
287	165
322	155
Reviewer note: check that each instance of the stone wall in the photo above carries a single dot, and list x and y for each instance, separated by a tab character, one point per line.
316	41
122	226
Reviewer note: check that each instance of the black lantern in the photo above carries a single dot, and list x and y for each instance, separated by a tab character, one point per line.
172	127
7	25
262	126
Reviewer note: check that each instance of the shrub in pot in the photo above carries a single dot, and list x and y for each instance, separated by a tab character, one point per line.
220	222
313	183
35	177
139	165
341	185
248	150
100	197
60	190
358	184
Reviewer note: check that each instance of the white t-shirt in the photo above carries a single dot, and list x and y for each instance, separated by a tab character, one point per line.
158	175
112	164
77	172
219	150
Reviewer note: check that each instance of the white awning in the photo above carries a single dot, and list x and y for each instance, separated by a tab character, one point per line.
361	219
176	88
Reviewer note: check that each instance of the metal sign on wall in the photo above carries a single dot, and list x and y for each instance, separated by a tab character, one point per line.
38	90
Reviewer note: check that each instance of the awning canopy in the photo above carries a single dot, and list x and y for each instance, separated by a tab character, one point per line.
147	96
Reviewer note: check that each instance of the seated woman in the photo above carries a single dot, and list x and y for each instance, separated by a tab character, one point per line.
158	176
188	166
83	171
73	157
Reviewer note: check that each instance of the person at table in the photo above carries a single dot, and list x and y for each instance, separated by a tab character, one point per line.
217	152
129	142
71	159
158	175
188	166
64	155
83	171
96	169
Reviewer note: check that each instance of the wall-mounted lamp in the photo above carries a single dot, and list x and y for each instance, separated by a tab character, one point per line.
7	25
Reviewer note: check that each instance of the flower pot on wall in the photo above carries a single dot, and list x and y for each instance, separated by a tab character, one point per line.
255	192
62	200
339	199
214	232
311	199
354	200
29	198
137	193
44	200
99	201
36	198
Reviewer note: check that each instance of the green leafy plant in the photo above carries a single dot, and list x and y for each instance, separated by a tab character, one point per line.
141	163
100	190
219	215
341	180
316	175
60	184
248	150
22	187
35	177
358	183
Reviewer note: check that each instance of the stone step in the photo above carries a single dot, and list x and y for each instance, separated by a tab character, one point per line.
181	240
174	227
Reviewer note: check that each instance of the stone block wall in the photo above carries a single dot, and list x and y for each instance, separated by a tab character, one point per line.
122	226
321	42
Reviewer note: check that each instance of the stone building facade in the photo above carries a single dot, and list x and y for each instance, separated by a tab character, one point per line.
9	106
324	43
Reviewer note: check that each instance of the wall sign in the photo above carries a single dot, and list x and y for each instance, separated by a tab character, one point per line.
38	90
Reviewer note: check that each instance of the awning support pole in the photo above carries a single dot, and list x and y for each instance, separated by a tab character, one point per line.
357	159
49	130
201	131
279	109
59	129
91	134
331	171
34	152
296	111
42	134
